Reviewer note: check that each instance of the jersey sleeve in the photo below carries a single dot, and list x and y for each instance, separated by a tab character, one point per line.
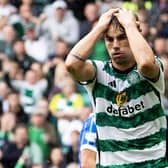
89	85
159	85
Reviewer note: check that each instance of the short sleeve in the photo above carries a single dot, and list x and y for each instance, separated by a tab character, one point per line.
159	85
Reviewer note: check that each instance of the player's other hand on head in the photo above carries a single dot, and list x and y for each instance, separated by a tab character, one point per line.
105	18
126	18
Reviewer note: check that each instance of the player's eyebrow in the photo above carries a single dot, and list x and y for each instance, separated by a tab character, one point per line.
119	37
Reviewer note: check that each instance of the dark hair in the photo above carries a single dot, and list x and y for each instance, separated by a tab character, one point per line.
116	24
24	126
14	91
20	125
18	40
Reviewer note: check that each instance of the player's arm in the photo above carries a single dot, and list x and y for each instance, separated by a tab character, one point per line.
142	52
75	62
88	158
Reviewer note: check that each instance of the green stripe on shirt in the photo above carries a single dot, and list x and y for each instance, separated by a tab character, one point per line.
132	92
137	144
158	163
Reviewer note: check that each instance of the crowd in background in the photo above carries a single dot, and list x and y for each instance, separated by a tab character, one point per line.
42	108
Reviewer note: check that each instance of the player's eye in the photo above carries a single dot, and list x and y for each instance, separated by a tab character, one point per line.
110	39
122	37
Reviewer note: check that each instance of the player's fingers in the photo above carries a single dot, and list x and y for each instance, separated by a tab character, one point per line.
114	10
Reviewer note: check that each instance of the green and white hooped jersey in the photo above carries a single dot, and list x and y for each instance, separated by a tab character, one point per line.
130	120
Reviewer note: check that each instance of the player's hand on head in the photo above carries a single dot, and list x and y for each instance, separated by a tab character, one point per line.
126	18
105	18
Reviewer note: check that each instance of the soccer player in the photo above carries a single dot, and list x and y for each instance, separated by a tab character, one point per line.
125	93
88	148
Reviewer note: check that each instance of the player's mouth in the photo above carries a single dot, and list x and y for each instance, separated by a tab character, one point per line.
117	54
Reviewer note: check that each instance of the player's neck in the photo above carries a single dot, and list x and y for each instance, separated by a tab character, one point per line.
123	68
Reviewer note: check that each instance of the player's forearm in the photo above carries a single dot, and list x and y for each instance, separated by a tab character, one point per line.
83	48
80	69
142	52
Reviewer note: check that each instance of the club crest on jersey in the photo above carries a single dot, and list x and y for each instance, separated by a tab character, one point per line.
121	98
133	77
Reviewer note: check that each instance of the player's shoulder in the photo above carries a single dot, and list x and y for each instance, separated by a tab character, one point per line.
98	63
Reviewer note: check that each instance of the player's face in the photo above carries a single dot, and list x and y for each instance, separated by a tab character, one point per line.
118	47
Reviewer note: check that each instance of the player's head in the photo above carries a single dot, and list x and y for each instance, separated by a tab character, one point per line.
117	45
116	24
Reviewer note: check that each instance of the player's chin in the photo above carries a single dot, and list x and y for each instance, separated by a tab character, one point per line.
120	60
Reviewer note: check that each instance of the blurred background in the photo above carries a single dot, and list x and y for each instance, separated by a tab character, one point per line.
42	108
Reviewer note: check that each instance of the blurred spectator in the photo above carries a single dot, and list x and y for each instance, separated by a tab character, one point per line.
154	13
60	74
144	26
31	153
3	23
142	15
163	19
11	71
42	79
25	16
49	72
6	9
8	123
16	108
77	6
73	153
61	50
91	12
105	5
19	149
66	106
37	68
5	90
57	158
12	150
37	166
35	5
43	106
160	45
20	56
6	43
42	132
62	25
30	89
72	165
34	44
